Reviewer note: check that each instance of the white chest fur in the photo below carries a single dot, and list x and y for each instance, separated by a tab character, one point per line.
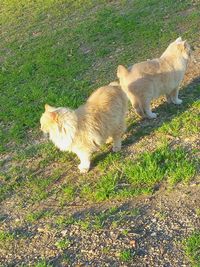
62	139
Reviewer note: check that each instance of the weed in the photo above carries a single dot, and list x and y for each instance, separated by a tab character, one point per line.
126	255
197	211
35	216
63	221
6	236
42	263
63	244
192	248
67	194
106	186
6	239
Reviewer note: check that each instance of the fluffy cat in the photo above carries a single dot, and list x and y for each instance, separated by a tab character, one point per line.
85	129
152	78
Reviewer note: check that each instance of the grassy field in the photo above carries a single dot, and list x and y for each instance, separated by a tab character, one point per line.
58	52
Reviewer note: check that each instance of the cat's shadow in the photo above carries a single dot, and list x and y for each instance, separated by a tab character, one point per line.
137	129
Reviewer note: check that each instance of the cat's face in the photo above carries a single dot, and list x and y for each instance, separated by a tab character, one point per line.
48	119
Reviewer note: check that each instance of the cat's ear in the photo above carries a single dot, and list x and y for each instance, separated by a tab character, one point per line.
178	40
48	108
121	71
185	44
54	116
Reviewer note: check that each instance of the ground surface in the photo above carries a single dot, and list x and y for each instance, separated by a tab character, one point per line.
139	207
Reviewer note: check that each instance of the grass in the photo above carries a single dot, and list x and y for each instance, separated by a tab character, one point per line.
192	249
43	263
186	123
6	236
67	195
197	211
142	175
62	221
58	52
126	255
121	178
62	244
99	220
35	216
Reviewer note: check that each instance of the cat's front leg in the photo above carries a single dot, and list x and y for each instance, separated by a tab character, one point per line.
117	143
174	97
84	157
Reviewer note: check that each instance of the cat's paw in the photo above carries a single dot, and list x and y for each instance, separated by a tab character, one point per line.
152	116
83	169
178	101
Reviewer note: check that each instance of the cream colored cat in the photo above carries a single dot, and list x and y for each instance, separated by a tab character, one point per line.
83	130
161	76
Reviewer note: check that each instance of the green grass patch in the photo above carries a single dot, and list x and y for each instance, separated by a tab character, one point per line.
140	176
197	211
6	239
42	263
96	221
126	255
64	221
6	236
192	249
185	123
113	216
62	244
35	216
67	194
164	163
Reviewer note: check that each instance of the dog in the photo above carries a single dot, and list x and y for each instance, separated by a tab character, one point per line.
85	129
150	79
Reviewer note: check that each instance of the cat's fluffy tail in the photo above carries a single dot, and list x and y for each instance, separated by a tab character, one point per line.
122	71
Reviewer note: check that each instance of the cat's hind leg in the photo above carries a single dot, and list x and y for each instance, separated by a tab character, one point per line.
138	107
168	97
117	136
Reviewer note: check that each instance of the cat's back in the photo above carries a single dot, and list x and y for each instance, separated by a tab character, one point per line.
105	97
150	67
102	112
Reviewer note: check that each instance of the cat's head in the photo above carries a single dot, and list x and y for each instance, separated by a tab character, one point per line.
49	119
180	48
60	124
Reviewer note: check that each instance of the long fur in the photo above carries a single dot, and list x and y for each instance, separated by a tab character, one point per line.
64	133
83	130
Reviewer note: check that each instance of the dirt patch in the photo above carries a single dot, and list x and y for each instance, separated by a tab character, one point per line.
153	236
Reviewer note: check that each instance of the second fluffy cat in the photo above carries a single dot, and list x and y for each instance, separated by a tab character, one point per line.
150	79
